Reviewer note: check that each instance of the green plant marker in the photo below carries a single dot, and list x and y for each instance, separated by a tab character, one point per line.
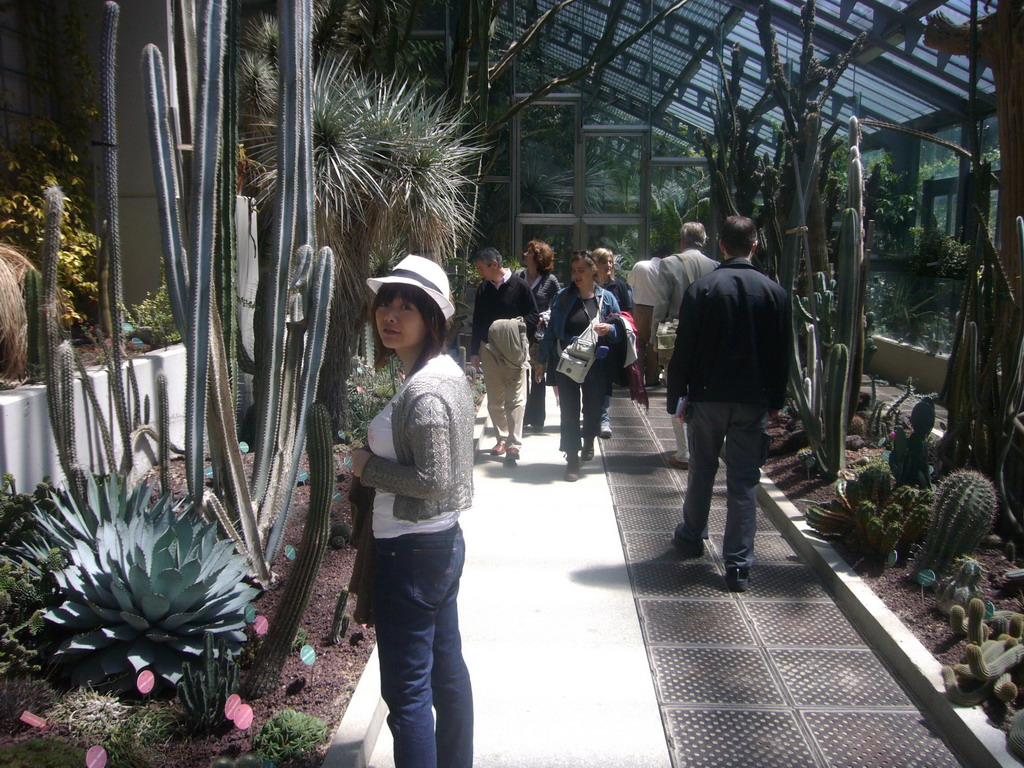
990	609
243	447
348	463
341	433
337	496
308	655
137	341
303	476
891	558
127	327
250	613
926	577
289	552
209	472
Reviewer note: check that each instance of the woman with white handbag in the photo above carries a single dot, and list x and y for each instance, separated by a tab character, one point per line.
574	344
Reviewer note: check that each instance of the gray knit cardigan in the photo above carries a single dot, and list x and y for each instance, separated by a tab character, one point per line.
432	422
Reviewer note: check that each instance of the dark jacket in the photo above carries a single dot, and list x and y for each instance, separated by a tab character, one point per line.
733	344
561	305
545	290
513	298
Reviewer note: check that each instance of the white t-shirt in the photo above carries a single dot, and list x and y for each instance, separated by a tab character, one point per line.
381	440
644	280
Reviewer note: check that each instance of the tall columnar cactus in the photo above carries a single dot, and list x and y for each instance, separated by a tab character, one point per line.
34	336
163	432
964	510
298	298
266	670
1009	471
909	455
112	239
831	316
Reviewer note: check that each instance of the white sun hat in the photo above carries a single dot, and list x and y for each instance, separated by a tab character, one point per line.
423	273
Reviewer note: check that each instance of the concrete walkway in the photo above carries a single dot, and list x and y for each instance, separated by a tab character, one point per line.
591	644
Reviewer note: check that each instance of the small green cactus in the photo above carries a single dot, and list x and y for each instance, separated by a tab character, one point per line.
962	586
991	663
908	458
964	510
288	735
203	692
871	513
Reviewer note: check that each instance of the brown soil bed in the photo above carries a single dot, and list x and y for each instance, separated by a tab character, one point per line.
916	607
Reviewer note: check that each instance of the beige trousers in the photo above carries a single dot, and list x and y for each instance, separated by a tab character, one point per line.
506	395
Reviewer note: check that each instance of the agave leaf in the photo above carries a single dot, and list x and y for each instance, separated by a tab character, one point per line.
168	583
88	672
138	581
135	620
122	596
154	607
175	620
109	615
143	653
187	644
72	616
188	598
121	632
90	641
113	661
190	571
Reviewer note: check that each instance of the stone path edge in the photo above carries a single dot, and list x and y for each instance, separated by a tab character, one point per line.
353	743
972	738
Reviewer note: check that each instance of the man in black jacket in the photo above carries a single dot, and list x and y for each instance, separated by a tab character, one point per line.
727	372
501	295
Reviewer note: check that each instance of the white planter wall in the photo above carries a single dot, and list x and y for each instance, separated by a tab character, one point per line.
895	362
27	449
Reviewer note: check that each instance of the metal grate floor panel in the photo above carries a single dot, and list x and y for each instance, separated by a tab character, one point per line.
694	622
775	677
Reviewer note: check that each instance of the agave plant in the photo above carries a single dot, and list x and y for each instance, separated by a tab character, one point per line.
145	593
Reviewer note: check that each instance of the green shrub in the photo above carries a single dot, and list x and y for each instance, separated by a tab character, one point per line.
22	694
134	735
369	390
41	753
154	312
288	735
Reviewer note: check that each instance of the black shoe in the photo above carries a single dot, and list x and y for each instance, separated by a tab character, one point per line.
605	433
737	579
688	549
588	450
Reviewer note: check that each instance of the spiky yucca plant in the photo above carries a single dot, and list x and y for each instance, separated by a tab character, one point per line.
145	595
389	175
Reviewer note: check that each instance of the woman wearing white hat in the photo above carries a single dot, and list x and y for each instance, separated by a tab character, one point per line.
420	460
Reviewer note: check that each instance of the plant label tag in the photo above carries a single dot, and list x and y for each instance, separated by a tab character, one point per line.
145	681
261	625
308	655
289	552
96	757
926	577
243	447
990	609
250	613
303	476
231	706
891	558
243	717
33	720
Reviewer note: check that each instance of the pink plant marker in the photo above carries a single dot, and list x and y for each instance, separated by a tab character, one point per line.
261	625
145	682
231	706
34	720
96	757
243	717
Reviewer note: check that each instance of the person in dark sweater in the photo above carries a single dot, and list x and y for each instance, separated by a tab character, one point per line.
728	372
539	262
501	295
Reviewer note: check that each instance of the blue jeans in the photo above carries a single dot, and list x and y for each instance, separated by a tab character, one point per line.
741	427
420	648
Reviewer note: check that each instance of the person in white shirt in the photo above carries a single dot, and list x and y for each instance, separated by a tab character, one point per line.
646	284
